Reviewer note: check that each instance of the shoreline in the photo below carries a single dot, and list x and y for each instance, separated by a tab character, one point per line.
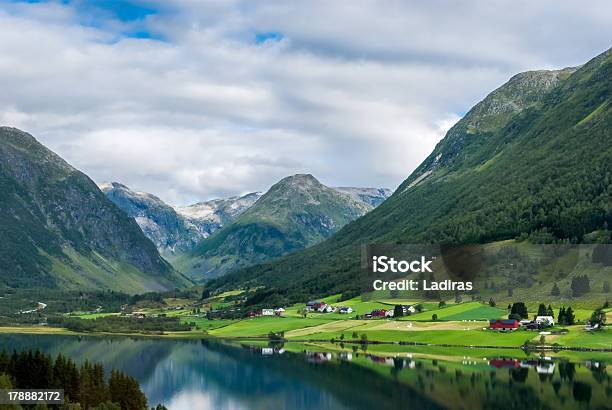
55	331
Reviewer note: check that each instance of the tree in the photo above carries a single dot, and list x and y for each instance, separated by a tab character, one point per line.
549	311
555	290
541	310
580	285
520	309
569	316
561	316
598	318
491	302
126	391
442	304
205	293
434	317
398	311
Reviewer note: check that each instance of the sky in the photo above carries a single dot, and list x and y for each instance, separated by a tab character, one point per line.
197	99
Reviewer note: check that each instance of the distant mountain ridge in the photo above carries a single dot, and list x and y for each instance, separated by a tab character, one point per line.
295	213
59	230
217	212
371	196
175	230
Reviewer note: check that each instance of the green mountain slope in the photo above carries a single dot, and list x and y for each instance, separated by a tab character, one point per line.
533	158
58	229
296	212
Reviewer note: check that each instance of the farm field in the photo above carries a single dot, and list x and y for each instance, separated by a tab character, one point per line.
261	326
462	311
455	337
578	337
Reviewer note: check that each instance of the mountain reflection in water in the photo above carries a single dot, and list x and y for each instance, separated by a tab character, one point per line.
187	374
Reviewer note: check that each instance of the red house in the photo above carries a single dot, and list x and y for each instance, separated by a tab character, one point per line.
503	362
504	324
378	313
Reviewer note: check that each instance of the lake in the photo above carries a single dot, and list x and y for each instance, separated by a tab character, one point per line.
206	374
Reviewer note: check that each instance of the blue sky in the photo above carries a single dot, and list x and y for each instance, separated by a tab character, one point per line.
194	99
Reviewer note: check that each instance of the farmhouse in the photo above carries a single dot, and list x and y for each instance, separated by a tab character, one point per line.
315	305
267	312
345	310
408	309
279	311
377	313
545	320
327	308
504	324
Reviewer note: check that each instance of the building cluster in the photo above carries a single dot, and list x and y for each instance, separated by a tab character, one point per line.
267	312
322	307
382	313
538	323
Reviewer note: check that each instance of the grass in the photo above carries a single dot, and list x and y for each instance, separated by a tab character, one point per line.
461	311
453	337
95	315
261	326
207	325
578	337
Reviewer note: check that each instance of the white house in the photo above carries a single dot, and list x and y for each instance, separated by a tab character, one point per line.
267	312
543	320
327	309
346	310
409	309
389	313
279	311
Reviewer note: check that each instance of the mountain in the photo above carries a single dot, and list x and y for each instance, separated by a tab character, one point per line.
295	213
209	216
532	160
161	223
371	196
175	230
59	230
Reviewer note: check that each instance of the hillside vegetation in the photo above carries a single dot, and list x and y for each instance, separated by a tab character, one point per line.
59	230
297	212
531	161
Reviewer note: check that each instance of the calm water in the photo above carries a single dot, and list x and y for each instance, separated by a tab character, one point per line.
211	375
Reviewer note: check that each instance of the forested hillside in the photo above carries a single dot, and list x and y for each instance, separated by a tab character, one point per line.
59	230
531	161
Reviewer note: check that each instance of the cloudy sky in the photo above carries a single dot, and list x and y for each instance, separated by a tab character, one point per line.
194	99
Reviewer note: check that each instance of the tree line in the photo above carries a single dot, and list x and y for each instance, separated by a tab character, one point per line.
84	386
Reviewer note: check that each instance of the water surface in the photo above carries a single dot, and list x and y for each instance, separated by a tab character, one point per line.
190	375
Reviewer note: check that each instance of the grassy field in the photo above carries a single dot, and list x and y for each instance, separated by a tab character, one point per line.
261	326
462	311
454	337
93	315
578	337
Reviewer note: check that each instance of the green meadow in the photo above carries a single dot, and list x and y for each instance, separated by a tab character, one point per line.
462	311
262	326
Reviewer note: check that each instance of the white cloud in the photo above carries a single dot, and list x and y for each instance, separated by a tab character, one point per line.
356	93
